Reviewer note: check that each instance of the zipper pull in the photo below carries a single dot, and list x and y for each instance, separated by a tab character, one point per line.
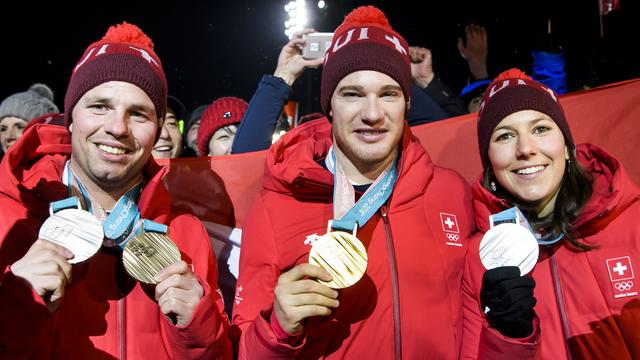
383	213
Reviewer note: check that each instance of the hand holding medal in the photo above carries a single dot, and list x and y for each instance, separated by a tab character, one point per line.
342	255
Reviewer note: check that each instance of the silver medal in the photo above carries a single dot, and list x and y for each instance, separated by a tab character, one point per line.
509	244
77	230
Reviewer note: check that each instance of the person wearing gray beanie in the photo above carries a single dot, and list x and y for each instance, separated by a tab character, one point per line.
18	109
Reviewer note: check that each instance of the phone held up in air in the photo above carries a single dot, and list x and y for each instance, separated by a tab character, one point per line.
317	44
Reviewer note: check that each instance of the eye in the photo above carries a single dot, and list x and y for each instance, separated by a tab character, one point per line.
98	108
391	93
139	116
3	128
541	129
350	94
503	136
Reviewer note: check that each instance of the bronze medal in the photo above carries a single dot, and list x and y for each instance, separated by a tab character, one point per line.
77	230
147	253
342	255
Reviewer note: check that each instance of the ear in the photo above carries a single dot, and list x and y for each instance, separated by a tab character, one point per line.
71	127
566	152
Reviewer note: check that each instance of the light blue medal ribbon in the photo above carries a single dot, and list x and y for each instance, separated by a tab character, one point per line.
514	215
371	200
124	220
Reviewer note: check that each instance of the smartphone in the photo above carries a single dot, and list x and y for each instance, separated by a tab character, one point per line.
317	44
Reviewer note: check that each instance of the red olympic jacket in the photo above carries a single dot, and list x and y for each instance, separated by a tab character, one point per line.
408	304
104	314
588	303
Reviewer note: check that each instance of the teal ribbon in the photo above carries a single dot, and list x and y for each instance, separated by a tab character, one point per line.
369	203
124	220
510	216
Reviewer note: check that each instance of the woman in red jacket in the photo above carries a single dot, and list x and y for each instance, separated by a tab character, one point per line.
583	209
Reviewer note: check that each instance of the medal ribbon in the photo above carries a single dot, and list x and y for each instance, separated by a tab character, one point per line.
123	221
347	213
514	215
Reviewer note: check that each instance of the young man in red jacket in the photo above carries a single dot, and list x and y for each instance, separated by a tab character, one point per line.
412	217
114	107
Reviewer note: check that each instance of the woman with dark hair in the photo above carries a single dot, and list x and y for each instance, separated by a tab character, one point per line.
581	298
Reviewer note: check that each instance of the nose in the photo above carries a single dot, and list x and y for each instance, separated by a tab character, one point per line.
525	147
372	111
164	133
116	125
13	133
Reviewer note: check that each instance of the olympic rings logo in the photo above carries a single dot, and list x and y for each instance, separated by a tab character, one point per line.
452	236
623	285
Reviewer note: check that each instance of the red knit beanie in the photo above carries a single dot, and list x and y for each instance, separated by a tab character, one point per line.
365	41
222	112
514	91
126	54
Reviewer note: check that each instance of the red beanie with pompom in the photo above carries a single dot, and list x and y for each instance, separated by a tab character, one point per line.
365	41
222	112
514	91
125	54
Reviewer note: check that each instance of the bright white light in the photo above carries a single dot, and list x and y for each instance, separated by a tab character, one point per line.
321	4
297	12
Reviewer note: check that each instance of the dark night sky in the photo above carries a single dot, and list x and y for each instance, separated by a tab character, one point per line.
212	49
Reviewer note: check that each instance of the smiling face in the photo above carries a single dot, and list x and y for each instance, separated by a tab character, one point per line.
11	129
367	110
112	134
528	156
169	143
221	141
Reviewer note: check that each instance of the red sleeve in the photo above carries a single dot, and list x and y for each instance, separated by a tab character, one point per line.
479	340
207	335
259	272
26	328
26	325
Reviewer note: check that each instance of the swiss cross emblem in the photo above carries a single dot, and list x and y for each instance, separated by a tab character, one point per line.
449	224
622	276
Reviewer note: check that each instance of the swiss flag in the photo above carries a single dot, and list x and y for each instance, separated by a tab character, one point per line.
449	223
620	268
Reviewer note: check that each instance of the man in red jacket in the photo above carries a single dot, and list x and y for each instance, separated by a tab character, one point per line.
412	217
114	107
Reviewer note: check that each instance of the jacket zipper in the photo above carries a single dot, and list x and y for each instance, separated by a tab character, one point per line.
397	345
122	309
564	319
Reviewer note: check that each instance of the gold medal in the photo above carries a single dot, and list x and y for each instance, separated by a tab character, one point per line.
147	253
342	255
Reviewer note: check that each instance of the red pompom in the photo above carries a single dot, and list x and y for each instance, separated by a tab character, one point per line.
129	33
512	73
367	15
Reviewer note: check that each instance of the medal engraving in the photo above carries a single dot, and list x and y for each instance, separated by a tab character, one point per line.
342	255
147	253
509	244
76	230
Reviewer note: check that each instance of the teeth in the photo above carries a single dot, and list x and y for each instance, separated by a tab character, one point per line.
370	131
530	170
162	148
111	150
